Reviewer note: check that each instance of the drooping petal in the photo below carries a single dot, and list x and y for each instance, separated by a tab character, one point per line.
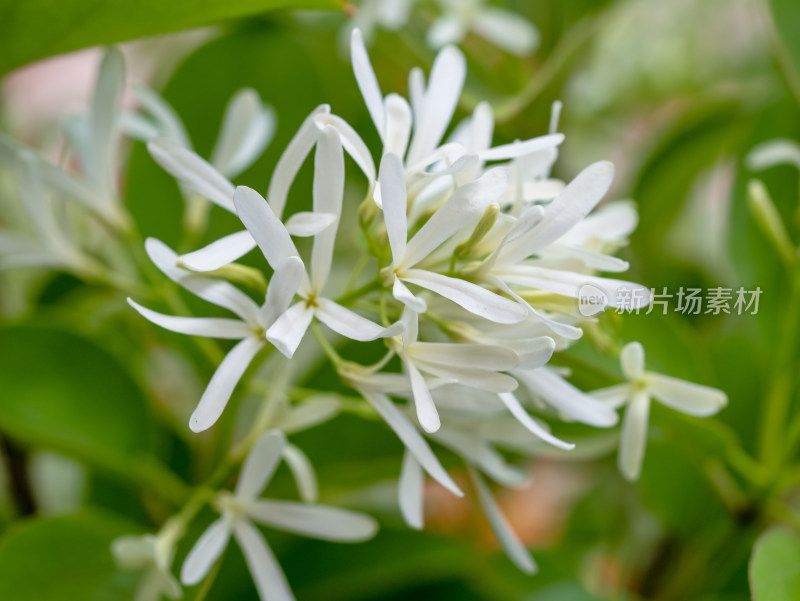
445	83
633	437
219	253
260	464
303	473
410	494
576	200
351	325
423	402
507	30
210	327
219	389
515	550
247	127
394	200
265	227
534	427
307	223
292	159
367	82
264	568
632	359
315	521
686	397
281	290
565	398
412	440
288	330
471	297
193	171
218	292
328	192
465	355
404	295
206	551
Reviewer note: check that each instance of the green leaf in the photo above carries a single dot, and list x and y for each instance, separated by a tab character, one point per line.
775	566
786	16
63	392
64	558
36	29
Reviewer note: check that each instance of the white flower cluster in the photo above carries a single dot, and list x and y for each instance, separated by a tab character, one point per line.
478	254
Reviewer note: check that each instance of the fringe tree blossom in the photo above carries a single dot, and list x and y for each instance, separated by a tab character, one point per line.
637	393
240	509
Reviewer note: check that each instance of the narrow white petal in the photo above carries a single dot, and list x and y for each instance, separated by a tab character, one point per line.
465	355
303	473
576	200
352	143
592	260
502	529
535	428
410	493
310	413
218	292
264	568
481	379
316	521
563	396
307	223
219	389
168	121
247	128
507	30
465	205
328	192
633	437
632	359
774	152
518	149
471	297
193	171
351	325
534	352
615	396
404	295
104	121
416	90
441	97
686	397
426	410
478	453
260	464
397	127
613	222
281	290
410	319
412	440
445	30
289	329
206	551
210	327
367	82
394	200
265	227
219	253
292	159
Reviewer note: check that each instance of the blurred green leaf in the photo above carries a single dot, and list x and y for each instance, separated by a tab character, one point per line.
38	28
64	392
775	566
786	16
63	559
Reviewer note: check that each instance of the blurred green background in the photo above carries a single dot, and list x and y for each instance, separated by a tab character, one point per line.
93	403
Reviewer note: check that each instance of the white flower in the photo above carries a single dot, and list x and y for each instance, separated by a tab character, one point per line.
243	507
391	15
275	243
502	27
248	329
464	206
641	388
153	553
